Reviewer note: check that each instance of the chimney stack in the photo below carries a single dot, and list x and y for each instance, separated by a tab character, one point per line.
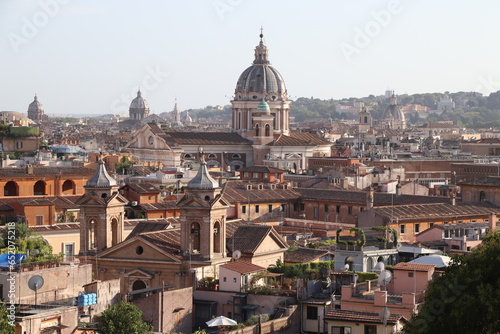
493	221
29	169
453	199
369	198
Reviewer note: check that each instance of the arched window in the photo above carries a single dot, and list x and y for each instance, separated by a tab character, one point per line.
366	119
256	130
482	196
267	130
212	156
91	235
114	231
195	237
187	156
138	285
217	237
39	188
68	187
236	156
11	189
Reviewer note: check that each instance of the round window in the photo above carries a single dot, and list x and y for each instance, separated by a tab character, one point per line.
139	250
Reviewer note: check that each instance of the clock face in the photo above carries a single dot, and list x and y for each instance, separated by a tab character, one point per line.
150	140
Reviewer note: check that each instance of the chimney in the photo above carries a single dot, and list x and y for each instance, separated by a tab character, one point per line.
493	221
398	189
453	199
29	169
369	198
344	182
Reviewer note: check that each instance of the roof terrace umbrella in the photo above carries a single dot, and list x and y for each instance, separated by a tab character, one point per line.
221	321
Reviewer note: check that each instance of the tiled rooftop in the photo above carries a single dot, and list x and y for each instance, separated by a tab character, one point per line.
361	317
242	267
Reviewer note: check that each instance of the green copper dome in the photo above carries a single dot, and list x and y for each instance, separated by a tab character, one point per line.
263	106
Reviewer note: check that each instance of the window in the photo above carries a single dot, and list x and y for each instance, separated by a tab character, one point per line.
337	209
257	208
283	207
295	206
244	209
234	279
349	210
402	229
341	330
19	144
410	274
417	228
224	279
139	250
236	156
39	220
285	186
431	224
270	206
312	312
326	208
212	156
316	212
370	329
302	206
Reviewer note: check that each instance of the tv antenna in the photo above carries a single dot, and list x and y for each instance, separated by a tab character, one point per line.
35	283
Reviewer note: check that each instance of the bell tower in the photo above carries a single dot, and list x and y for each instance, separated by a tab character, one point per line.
203	217
101	213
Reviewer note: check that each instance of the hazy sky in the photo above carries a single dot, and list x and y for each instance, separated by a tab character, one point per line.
89	56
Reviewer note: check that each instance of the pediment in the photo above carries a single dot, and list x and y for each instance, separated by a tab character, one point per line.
128	251
138	274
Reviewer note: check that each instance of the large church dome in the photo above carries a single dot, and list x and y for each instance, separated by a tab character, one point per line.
35	106
139	102
260	80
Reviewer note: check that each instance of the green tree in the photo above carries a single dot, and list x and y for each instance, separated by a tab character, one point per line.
5	325
466	298
123	318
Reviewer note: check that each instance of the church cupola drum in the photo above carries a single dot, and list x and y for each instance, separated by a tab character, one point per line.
260	82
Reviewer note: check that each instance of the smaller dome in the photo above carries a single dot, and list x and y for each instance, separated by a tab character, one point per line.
101	178
35	106
263	106
139	102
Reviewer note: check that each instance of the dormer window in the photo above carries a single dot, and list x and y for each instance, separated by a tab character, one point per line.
285	186
273	186
260	186
249	187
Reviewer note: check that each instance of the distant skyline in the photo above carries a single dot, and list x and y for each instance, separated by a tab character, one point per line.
90	57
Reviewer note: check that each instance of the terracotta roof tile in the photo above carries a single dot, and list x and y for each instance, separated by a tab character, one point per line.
436	210
362	317
490	181
45	171
413	266
242	267
261	169
237	191
304	255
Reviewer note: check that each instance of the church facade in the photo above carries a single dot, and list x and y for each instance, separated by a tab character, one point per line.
260	128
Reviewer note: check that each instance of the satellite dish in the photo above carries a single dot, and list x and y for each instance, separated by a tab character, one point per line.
236	254
35	282
379	267
384	278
